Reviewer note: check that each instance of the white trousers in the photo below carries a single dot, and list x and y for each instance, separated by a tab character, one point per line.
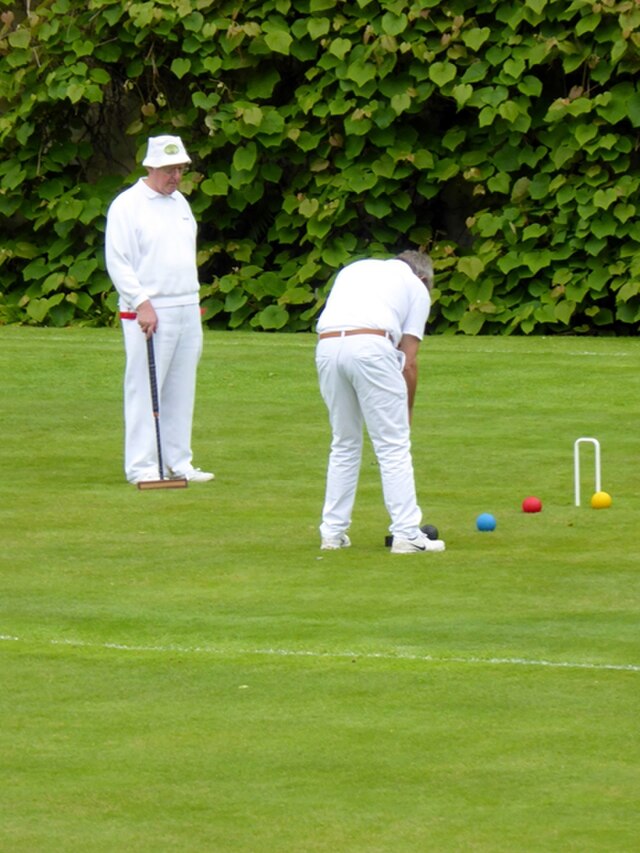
361	382
177	347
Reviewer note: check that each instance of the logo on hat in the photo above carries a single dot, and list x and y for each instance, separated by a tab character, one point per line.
171	148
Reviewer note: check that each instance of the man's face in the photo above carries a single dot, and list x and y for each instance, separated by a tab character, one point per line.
165	180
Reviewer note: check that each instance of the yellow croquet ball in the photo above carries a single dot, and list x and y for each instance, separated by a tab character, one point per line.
601	500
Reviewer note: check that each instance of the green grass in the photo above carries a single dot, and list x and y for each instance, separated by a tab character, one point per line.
186	671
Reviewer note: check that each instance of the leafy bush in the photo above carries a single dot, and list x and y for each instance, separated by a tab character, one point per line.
500	135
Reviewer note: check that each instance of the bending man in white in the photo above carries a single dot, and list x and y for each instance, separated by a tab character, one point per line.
369	335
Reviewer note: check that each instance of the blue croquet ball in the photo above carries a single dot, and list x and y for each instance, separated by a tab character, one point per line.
485	522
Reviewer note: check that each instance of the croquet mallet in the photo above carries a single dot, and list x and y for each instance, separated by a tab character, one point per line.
161	483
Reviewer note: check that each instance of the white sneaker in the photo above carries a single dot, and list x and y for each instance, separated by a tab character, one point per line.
333	543
195	475
418	544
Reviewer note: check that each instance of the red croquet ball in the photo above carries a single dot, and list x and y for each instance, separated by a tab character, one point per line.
531	505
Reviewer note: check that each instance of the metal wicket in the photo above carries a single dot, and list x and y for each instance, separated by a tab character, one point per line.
576	465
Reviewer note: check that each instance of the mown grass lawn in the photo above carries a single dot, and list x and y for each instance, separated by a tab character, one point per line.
185	670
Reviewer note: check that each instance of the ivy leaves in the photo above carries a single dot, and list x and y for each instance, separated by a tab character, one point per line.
499	135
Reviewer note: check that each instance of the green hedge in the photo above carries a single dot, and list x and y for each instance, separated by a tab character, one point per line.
500	135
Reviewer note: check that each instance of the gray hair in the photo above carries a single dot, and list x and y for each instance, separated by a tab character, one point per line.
421	265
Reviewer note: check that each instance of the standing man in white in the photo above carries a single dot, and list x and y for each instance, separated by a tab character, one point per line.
369	334
151	259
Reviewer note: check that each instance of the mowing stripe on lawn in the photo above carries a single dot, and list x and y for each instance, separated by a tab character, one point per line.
310	653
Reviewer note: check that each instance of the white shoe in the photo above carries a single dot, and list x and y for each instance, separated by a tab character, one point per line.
419	544
195	475
333	543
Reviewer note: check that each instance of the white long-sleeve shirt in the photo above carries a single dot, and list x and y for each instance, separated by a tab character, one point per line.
150	248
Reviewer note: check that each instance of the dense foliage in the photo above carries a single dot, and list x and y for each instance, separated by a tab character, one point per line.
500	135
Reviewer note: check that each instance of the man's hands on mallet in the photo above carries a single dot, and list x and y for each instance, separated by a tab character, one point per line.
147	318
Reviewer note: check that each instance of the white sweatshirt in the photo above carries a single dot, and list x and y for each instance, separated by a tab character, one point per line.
150	248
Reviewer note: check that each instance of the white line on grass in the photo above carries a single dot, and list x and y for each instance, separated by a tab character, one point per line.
309	653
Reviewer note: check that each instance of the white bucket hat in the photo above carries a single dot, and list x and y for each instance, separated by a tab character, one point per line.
165	151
